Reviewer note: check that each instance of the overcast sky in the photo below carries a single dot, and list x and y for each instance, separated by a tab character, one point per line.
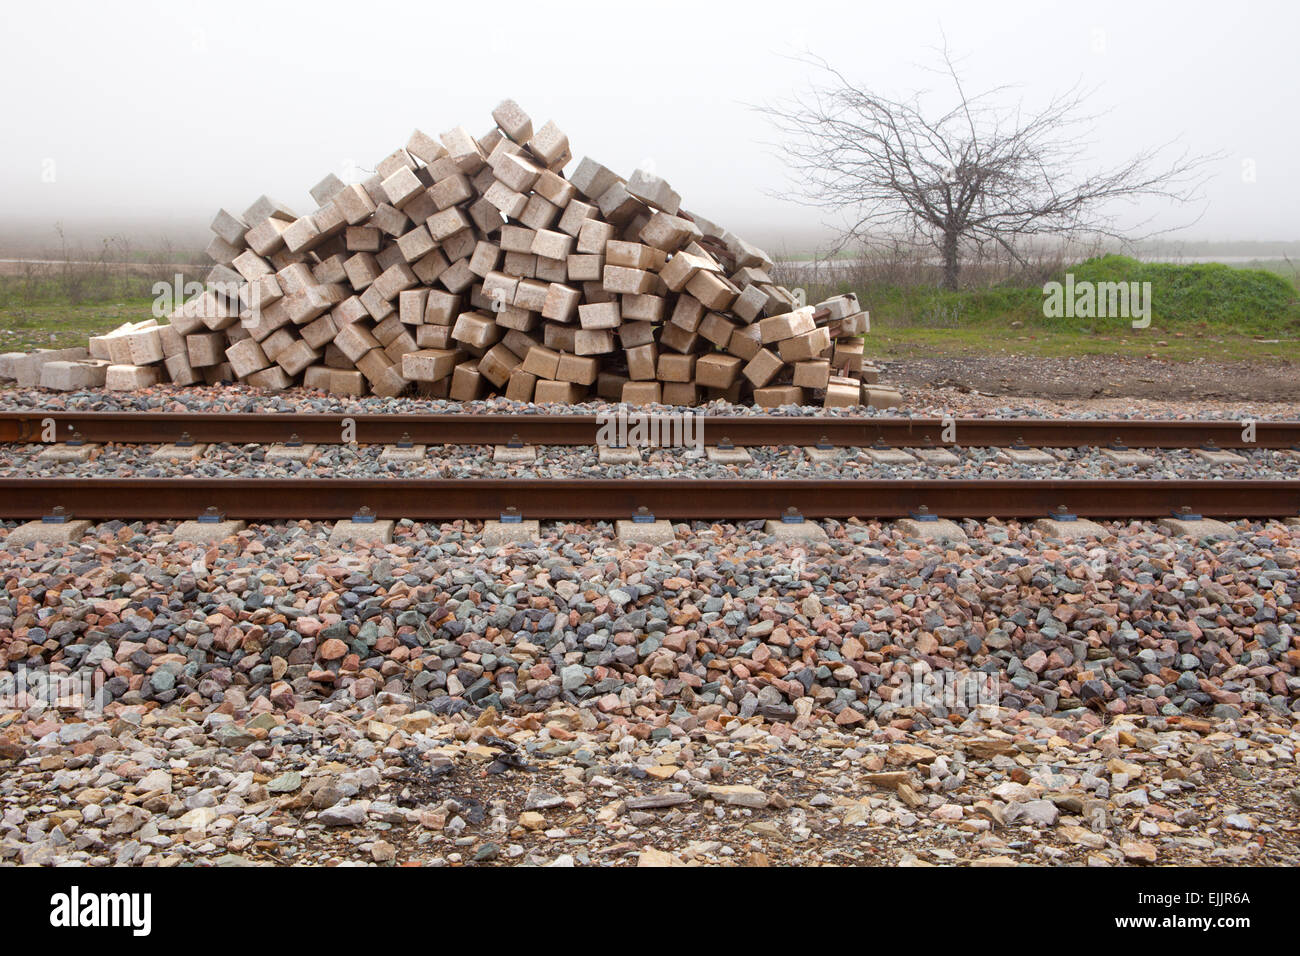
118	113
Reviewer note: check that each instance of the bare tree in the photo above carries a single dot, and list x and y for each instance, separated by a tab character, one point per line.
980	173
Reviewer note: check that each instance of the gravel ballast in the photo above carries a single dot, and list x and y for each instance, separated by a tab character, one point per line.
920	401
220	460
730	698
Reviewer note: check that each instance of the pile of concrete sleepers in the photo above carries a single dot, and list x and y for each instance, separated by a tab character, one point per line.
466	267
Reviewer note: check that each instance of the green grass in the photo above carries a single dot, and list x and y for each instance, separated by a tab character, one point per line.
62	326
1198	311
819	256
58	308
1199	345
1247	300
1287	270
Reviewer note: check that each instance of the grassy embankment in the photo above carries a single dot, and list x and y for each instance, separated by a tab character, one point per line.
1210	311
1204	311
54	307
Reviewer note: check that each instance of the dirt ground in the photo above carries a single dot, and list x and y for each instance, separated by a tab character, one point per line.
1088	377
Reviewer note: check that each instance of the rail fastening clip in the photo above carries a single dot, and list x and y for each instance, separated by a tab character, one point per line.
57	516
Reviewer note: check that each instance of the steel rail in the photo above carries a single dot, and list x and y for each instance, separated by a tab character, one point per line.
454	429
597	499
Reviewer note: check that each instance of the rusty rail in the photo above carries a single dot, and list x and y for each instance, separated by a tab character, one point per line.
895	431
592	499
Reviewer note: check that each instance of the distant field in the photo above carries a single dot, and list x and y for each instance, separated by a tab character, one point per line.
1287	269
20	267
1246	310
59	305
23	328
885	341
1198	311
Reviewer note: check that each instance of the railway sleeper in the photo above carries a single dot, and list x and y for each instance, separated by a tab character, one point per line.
364	529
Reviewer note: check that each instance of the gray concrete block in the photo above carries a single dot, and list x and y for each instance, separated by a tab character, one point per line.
1127	456
396	453
1028	456
941	530
728	456
1219	456
281	452
936	456
795	530
326	189
265	208
608	455
347	532
1200	528
504	454
39	532
823	456
66	453
203	532
651	532
889	456
27	369
179	452
1066	530
70	376
497	533
128	378
652	189
8	361
879	396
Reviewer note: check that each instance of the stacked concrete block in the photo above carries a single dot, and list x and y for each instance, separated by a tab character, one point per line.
61	376
473	266
26	369
129	378
8	361
157	350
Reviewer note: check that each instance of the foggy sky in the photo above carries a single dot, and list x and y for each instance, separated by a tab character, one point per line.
165	111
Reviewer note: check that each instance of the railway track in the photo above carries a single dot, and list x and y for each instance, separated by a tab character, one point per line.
268	498
749	430
608	499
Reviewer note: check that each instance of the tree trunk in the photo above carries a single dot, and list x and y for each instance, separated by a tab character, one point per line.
951	267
